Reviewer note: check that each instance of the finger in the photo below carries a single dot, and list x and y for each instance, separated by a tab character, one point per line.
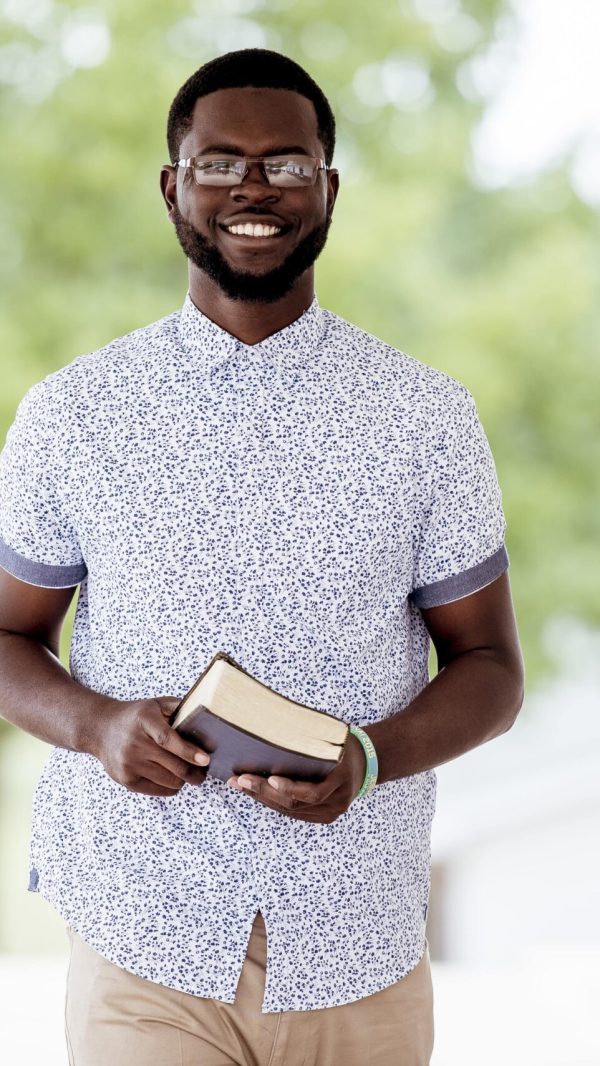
307	792
180	770
323	813
282	792
161	775
261	793
158	729
185	750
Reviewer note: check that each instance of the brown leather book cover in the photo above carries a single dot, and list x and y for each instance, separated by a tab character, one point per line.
235	750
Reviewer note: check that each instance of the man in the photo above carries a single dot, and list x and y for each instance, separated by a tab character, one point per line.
255	475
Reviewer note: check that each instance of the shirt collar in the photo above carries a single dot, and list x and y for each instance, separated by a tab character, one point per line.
213	345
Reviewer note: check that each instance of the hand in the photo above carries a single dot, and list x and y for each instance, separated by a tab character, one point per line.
322	802
139	749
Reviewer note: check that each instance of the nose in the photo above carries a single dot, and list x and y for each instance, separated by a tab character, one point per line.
255	187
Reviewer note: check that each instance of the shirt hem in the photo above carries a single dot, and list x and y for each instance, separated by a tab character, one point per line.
343	1001
206	992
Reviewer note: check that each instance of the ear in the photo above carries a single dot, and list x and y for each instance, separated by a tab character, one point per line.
168	187
333	187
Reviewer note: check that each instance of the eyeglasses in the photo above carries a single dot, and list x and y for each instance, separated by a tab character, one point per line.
294	171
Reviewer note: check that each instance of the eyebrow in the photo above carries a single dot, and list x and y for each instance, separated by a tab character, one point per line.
232	149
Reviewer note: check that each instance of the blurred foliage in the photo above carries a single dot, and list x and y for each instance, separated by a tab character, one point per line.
498	288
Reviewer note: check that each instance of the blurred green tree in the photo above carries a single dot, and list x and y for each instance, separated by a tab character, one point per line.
500	289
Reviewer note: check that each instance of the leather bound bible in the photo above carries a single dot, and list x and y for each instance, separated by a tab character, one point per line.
248	727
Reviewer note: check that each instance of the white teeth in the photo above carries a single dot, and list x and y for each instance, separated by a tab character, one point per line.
251	229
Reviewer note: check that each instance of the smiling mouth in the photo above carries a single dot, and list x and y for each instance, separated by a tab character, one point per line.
254	229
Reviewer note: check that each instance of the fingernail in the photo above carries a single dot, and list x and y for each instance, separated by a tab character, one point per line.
244	781
274	783
202	758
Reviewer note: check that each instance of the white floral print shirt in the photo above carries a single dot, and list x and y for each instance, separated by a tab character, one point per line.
293	503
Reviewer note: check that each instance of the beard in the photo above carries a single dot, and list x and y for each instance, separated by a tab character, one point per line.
242	285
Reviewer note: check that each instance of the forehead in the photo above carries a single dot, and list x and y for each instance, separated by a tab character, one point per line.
254	121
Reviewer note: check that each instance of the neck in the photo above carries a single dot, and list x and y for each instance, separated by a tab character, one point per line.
250	322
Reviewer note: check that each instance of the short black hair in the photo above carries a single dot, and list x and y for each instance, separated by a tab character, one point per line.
256	67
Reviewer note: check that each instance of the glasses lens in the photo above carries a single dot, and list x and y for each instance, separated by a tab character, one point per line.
293	171
218	171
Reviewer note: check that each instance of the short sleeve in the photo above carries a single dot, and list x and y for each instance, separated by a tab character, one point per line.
38	543
461	543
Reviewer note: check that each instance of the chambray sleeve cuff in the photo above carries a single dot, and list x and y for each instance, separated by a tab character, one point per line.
460	585
42	574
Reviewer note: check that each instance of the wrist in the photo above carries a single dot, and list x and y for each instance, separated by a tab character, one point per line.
93	725
371	762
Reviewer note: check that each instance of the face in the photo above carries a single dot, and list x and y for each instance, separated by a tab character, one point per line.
251	122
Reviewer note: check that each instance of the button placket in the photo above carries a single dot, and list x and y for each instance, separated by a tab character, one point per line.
250	400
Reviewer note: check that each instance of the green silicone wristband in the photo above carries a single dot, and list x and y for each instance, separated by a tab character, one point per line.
372	763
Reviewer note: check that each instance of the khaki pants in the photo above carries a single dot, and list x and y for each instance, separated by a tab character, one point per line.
114	1018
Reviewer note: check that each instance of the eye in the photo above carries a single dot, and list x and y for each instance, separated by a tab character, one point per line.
217	166
276	166
293	170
